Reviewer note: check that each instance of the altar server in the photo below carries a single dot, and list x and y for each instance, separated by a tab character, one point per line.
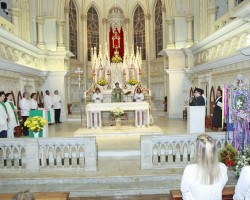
97	96
57	106
49	105
25	109
33	101
3	116
13	118
139	96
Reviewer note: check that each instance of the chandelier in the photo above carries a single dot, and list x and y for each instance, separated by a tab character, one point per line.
116	18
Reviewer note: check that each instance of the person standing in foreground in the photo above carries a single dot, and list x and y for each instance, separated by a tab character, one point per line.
25	109
97	96
49	106
3	116
139	96
217	114
57	106
198	99
242	188
33	101
206	179
13	118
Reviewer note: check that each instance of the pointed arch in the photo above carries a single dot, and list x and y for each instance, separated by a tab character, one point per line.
92	29
158	28
73	27
139	31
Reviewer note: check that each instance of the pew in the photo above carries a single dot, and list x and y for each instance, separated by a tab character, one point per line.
227	194
41	196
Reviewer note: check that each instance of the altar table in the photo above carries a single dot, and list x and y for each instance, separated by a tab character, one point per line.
93	111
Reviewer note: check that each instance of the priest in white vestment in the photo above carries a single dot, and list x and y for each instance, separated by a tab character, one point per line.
25	109
49	106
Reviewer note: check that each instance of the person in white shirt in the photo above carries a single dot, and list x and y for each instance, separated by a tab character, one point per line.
206	179
139	96
57	106
25	109
242	188
33	101
49	105
13	118
3	116
97	96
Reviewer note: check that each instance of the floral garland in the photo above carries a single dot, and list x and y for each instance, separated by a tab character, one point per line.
228	155
35	124
243	159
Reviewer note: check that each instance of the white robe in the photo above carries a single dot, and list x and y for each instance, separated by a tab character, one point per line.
12	123
25	107
3	119
33	104
49	105
97	98
57	102
138	97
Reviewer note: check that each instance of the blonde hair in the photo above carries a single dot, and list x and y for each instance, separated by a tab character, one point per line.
26	195
207	160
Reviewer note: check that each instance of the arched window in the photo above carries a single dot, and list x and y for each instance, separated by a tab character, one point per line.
93	30
139	31
73	29
158	28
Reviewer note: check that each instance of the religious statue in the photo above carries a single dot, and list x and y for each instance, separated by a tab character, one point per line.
116	40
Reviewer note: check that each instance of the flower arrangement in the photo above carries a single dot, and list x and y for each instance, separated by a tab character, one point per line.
35	124
228	155
116	59
117	112
132	81
102	82
243	159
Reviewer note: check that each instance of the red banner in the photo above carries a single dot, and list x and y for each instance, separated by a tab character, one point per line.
116	41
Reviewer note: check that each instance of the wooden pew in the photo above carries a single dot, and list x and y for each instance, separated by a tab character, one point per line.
227	194
41	196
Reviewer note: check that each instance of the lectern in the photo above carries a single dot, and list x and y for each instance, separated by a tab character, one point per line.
196	119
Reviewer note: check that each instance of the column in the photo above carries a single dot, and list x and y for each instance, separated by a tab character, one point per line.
15	14
40	41
231	5
148	56
170	23
190	41
212	15
105	31
85	50
164	25
60	40
126	31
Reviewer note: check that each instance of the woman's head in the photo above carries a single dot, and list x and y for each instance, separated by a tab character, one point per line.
33	96
138	90
207	159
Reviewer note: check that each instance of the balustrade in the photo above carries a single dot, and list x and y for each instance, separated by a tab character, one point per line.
164	151
48	153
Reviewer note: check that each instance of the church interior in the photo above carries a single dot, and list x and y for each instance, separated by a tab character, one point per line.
165	48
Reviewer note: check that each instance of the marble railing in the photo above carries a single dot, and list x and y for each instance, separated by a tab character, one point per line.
5	24
165	151
34	155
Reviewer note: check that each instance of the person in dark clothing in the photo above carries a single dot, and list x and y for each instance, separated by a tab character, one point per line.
198	99
217	114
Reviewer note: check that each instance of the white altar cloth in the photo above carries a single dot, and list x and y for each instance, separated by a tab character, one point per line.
141	112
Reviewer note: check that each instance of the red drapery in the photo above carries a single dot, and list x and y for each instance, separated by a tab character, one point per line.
111	47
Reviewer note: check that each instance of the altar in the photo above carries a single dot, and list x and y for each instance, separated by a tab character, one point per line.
94	110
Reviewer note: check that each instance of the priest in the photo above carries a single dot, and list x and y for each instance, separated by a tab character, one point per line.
117	94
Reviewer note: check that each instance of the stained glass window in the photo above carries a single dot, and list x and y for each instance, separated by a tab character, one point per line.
158	28
73	29
139	31
93	30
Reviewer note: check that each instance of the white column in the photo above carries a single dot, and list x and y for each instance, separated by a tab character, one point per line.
148	49
105	32
15	14
170	23
212	15
60	31
190	41
126	35
85	50
40	40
